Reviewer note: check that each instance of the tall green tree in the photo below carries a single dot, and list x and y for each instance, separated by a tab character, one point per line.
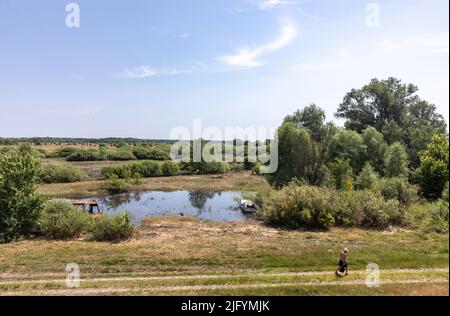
347	145
311	117
20	205
396	161
395	110
432	174
374	148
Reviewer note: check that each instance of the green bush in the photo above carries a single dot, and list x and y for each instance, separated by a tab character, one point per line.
299	207
365	209
61	220
121	155
65	152
84	155
430	216
56	173
367	179
115	227
20	204
117	186
158	153
141	152
169	168
398	189
144	169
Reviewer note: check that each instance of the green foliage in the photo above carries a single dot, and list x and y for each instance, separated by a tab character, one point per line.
61	220
84	155
299	207
374	148
365	209
342	173
432	174
121	155
311	118
347	145
111	228
20	205
398	189
396	161
57	173
367	179
394	109
169	168
144	169
158	153
296	154
430	216
65	152
117	186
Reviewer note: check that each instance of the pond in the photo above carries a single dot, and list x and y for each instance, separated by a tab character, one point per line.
206	205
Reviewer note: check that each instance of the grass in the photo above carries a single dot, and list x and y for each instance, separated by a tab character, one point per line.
242	181
231	253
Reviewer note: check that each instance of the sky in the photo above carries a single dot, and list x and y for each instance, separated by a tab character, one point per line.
141	68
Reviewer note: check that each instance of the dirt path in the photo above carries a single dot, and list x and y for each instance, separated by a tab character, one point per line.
159	289
9	280
16	279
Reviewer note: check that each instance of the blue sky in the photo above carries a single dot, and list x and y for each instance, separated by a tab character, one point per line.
140	68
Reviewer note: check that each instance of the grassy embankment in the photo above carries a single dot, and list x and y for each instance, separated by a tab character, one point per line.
180	256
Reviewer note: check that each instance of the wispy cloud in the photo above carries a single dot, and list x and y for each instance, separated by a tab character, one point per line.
184	35
147	71
138	72
431	43
249	57
271	4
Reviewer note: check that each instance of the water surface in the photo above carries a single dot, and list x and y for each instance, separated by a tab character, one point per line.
206	205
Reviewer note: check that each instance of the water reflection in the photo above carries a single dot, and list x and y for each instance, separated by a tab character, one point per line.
206	205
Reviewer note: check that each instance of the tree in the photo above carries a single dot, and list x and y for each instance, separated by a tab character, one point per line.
396	161
367	178
347	145
342	173
311	117
295	154
20	205
374	148
395	110
432	174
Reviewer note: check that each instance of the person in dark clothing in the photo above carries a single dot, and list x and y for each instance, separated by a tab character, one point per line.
342	265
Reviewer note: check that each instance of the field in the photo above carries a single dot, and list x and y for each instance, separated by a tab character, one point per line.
175	255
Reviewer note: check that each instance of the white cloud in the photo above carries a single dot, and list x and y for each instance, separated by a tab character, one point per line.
138	72
184	35
308	66
147	71
271	4
247	57
431	43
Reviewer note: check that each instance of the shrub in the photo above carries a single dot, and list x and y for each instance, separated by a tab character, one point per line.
430	216
61	220
146	169
365	209
84	155
20	205
115	227
398	189
65	152
158	154
56	173
169	168
342	174
432	175
121	155
299	207
117	186
141	152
